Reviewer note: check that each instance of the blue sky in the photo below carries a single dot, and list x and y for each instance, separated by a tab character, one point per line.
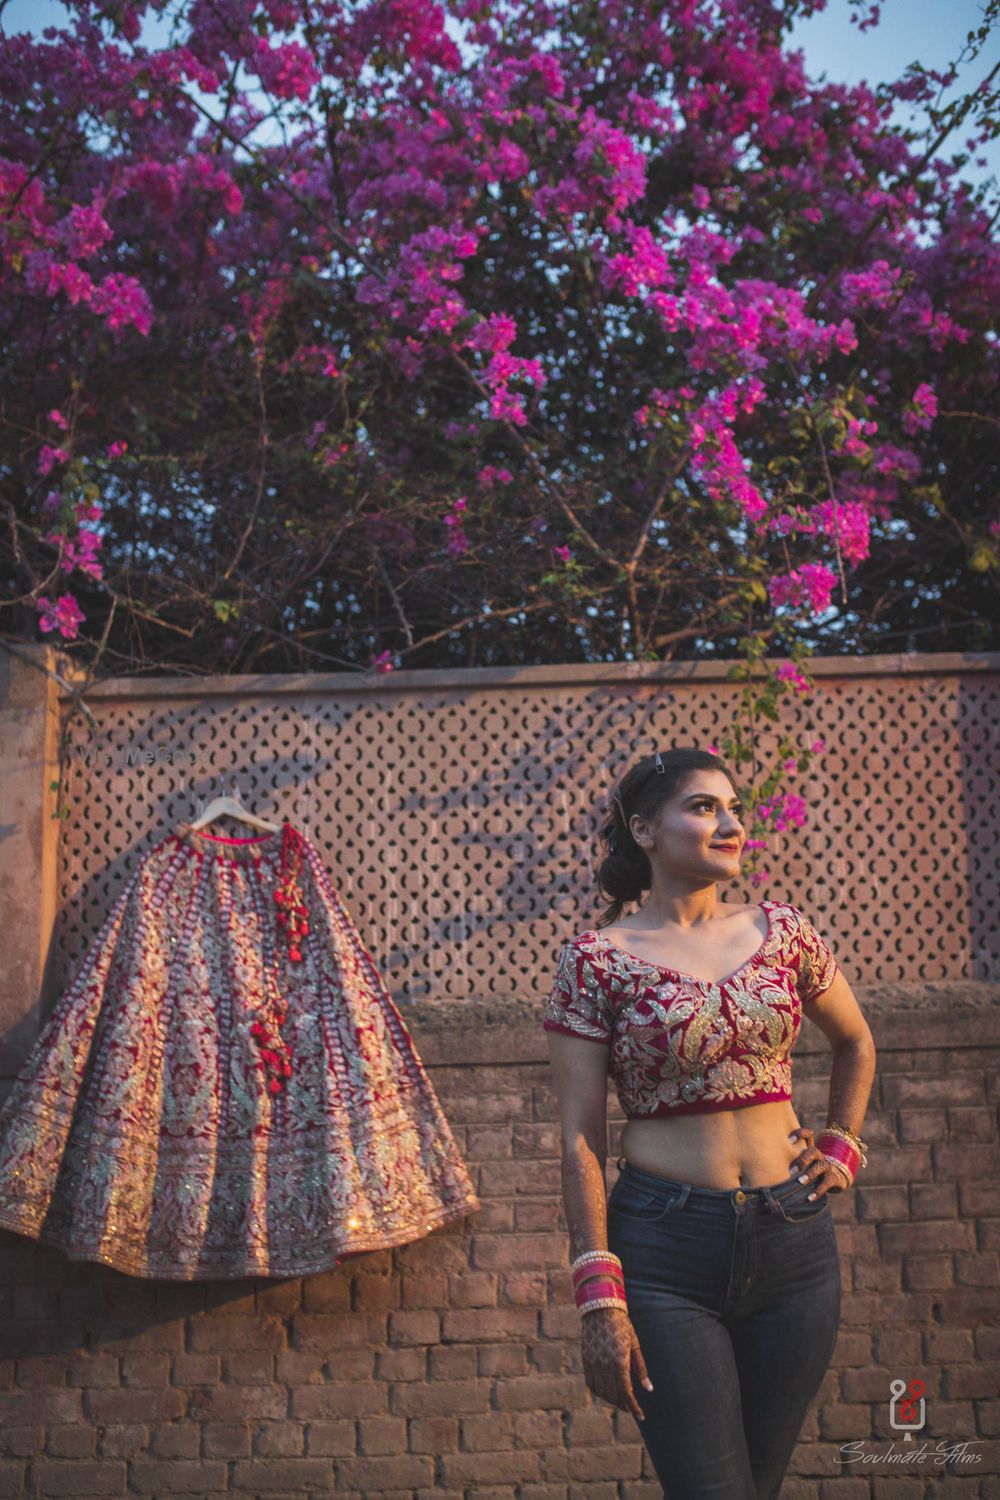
930	31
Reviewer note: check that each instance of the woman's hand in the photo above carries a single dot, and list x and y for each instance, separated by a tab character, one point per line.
610	1354
813	1165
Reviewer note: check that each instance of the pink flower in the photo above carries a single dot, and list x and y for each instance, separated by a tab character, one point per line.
811	584
57	418
49	457
288	71
65	615
924	409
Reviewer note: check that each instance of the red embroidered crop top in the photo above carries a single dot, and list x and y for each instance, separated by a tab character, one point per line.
681	1045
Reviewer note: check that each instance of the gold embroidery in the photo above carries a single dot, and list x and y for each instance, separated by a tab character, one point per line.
683	1045
141	1133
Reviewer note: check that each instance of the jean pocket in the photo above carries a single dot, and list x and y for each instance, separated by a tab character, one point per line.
795	1208
640	1205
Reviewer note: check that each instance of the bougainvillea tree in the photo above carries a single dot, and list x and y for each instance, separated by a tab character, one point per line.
379	335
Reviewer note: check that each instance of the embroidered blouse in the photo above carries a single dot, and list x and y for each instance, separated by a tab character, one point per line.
680	1045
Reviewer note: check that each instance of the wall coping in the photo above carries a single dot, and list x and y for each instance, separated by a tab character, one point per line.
912	664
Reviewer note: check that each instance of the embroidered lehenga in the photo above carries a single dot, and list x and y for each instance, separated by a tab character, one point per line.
226	1088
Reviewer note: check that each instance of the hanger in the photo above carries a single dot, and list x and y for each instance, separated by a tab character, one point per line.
226	806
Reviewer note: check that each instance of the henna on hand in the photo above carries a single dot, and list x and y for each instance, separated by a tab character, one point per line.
827	1177
610	1349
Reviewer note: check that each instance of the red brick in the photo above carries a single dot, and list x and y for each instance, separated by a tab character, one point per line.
32	1373
338	1400
330	1438
917	1126
220	1335
20	1408
248	1368
965	1161
403	1364
453	1362
928	1271
295	1368
480	1469
415	1327
175	1440
332	1332
226	1439
72	1477
164	1405
121	1440
94	1370
442	1398
279	1439
279	1297
330	1291
971	1124
934	1200
268	1476
979	1200
491	1324
145	1369
21	1442
902	1089
968	1307
71	1440
237	1403
378	1435
177	1477
120	1337
982	1379
371	1476
196	1369
433	1435
944	1234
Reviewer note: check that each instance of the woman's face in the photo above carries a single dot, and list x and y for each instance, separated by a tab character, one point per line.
690	829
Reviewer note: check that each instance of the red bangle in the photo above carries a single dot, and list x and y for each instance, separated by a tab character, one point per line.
835	1147
612	1295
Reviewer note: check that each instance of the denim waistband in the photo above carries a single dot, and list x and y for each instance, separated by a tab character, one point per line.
672	1185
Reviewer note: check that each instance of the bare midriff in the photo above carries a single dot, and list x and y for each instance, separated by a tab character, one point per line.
731	1148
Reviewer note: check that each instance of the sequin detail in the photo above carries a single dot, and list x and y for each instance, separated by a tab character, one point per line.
141	1132
682	1045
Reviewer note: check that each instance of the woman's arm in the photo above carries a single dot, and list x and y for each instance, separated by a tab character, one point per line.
609	1346
581	1079
838	1015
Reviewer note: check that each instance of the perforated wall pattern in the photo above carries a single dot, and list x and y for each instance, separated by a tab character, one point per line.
458	811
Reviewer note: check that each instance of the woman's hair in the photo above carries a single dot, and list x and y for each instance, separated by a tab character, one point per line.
625	872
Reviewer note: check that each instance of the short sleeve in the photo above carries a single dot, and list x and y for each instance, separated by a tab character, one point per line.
815	965
577	1003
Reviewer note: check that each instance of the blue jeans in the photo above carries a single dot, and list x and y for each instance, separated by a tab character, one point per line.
734	1295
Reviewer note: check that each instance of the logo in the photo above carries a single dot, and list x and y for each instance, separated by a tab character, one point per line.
908	1414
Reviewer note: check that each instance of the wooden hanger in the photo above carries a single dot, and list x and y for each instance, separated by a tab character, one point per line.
224	806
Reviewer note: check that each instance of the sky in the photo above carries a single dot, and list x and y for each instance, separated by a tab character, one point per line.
932	32
929	31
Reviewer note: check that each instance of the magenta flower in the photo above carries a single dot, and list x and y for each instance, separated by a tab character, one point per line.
48	458
65	615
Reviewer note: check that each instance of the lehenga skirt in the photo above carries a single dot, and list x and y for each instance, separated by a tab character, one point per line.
226	1088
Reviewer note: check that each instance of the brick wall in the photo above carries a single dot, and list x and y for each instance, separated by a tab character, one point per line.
450	1368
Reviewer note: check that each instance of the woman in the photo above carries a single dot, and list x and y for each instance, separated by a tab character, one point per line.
709	1281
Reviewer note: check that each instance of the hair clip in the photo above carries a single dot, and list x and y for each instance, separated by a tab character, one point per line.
661	769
